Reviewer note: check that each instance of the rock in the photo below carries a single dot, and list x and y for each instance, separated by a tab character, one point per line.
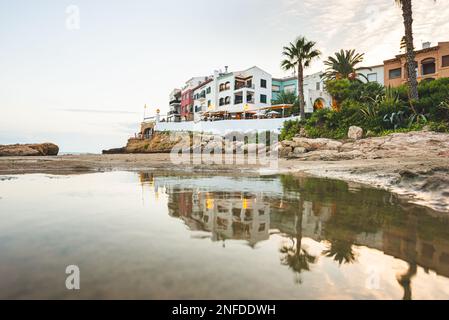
287	143
355	133
302	133
299	151
41	149
317	144
284	151
114	151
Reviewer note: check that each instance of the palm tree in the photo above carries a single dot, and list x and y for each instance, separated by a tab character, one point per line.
285	98
343	65
298	56
288	97
407	13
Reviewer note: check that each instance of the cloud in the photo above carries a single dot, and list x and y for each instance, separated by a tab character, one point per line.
374	27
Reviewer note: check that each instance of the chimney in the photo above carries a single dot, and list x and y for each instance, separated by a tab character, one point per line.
226	69
426	45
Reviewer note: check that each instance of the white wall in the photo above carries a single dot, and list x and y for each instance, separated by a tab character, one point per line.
377	70
311	94
225	126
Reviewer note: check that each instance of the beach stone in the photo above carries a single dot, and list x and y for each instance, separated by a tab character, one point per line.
299	151
355	133
284	151
317	144
287	143
40	149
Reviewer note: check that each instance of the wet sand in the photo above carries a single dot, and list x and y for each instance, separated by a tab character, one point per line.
424	181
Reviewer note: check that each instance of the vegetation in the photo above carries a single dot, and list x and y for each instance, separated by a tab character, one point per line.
407	14
298	56
287	98
343	65
377	110
407	43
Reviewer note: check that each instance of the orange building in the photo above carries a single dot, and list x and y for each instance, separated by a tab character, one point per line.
431	63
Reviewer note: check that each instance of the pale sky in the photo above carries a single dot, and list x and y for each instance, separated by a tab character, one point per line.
84	88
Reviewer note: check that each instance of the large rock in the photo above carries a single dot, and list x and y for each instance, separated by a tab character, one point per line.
114	151
284	151
317	144
41	149
355	133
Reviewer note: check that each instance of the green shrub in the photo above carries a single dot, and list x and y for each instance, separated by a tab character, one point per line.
377	109
290	128
439	126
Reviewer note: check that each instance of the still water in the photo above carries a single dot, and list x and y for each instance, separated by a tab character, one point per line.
158	236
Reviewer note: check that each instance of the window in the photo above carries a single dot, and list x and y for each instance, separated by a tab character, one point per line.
208	90
208	103
263	98
317	86
395	73
222	87
263	83
428	66
227	85
290	88
372	77
227	100
221	102
275	88
445	62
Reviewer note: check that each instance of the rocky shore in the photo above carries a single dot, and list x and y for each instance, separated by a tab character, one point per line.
414	165
39	149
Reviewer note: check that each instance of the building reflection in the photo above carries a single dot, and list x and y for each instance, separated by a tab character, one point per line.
340	215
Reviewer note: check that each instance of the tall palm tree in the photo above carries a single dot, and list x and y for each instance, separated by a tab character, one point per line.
407	14
343	65
298	56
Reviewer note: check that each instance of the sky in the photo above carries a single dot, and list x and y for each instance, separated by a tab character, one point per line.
78	73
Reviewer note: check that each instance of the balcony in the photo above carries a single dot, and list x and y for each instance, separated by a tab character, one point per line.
240	85
173	112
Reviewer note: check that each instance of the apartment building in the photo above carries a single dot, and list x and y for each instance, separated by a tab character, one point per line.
174	108
186	107
232	94
431	63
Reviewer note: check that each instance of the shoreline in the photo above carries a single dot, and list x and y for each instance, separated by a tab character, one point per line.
420	180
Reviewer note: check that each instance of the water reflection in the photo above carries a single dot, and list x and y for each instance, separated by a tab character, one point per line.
216	237
339	215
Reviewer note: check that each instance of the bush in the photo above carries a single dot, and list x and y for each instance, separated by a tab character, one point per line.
377	109
291	127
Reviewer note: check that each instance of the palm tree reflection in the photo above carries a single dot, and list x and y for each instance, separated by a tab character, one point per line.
293	254
341	251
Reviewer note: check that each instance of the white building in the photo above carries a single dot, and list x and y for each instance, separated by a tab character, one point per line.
204	97
372	74
315	95
233	93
